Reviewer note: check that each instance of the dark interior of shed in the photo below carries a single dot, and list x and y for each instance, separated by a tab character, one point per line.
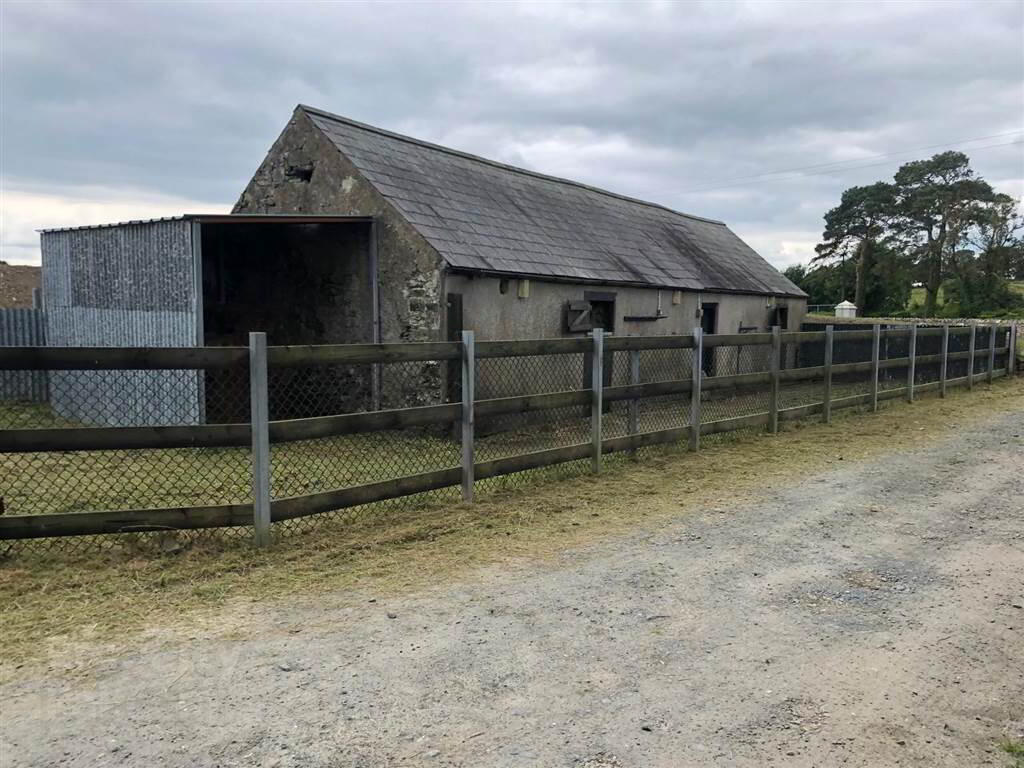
301	283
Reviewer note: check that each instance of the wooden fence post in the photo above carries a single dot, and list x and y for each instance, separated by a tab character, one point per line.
876	356
597	391
970	356
944	366
826	411
773	406
468	418
992	352
1011	352
696	376
260	423
911	365
633	411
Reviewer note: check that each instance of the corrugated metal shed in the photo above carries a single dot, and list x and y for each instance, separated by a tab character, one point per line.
133	285
486	216
22	328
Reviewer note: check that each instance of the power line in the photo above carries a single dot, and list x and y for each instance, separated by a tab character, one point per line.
872	157
838	166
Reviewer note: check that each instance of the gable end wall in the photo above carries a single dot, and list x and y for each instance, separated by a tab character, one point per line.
409	268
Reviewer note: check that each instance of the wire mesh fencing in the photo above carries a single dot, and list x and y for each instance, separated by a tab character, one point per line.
156	446
80	405
506	435
351	459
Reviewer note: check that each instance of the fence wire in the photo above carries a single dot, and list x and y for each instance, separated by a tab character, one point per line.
306	467
95	480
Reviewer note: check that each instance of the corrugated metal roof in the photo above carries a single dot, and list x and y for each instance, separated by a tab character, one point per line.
117	224
484	215
221	218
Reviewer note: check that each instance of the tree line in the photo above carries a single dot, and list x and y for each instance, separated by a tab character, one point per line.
938	225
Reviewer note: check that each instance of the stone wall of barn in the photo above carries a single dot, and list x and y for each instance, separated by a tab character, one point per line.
305	174
496	308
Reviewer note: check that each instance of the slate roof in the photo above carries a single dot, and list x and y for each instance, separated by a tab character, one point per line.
481	215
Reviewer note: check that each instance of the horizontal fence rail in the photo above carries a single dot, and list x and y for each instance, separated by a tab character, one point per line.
706	375
229	435
120	358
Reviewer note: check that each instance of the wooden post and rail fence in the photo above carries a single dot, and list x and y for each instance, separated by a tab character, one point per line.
261	433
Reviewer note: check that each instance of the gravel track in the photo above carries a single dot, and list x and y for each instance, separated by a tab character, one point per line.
870	615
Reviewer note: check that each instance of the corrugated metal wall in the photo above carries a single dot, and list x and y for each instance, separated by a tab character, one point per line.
22	328
129	285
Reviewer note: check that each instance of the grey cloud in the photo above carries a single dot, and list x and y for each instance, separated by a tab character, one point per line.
649	100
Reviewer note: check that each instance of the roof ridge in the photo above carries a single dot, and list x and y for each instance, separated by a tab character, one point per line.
496	164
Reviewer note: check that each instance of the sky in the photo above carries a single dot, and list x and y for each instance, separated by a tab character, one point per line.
758	113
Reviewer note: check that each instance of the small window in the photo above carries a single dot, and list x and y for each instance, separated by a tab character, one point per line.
503	285
781	317
602	310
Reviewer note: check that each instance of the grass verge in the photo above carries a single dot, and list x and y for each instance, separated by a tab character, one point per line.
1015	749
52	604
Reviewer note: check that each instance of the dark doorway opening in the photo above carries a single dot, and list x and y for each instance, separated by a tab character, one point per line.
455	327
300	282
781	317
602	315
709	325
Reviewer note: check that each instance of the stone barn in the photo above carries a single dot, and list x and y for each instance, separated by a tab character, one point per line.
352	234
462	242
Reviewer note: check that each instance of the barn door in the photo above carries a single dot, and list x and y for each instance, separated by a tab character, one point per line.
709	325
453	322
602	315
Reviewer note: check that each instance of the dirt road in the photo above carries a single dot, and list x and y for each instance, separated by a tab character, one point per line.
870	615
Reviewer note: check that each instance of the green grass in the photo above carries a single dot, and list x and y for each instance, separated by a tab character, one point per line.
58	482
1015	749
14	415
35	483
918	295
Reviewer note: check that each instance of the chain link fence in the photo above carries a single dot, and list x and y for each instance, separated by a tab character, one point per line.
70	481
180	438
302	467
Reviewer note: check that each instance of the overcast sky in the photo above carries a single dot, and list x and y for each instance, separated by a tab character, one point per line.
133	110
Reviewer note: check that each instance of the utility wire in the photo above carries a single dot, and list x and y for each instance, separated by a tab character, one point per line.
836	167
873	157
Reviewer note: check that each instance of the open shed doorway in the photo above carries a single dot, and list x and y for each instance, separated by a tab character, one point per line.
302	280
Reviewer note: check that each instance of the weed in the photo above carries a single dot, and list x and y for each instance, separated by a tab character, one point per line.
1015	749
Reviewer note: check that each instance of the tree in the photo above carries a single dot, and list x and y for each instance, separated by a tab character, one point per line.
824	284
998	237
977	287
937	202
1015	262
939	223
997	224
888	283
795	274
854	227
977	281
